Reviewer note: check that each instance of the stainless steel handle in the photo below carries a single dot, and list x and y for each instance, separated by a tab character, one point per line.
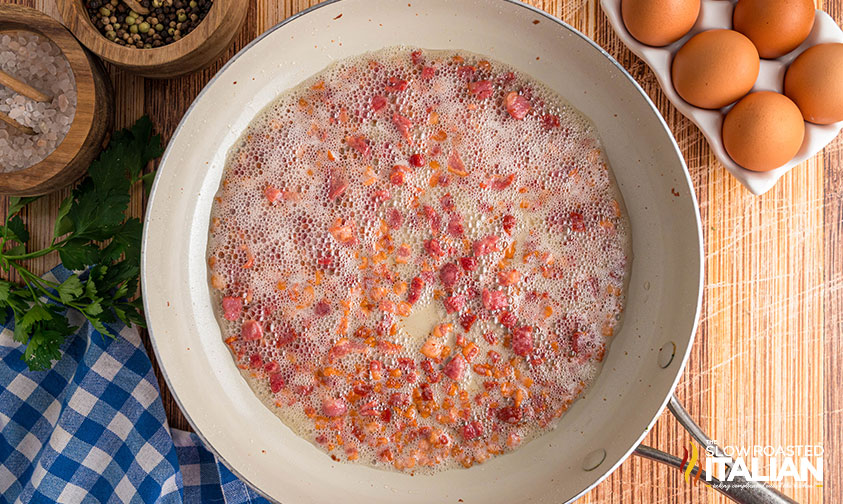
738	489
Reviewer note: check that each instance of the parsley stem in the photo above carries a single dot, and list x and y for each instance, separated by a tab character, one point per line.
33	255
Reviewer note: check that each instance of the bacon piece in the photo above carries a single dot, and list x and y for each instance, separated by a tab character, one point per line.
394	219
510	277
510	414
455	227
486	245
508	224
449	275
456	165
403	124
333	408
428	72
455	303
467	320
273	194
251	330
378	102
343	231
434	248
358	143
522	341
500	183
493	300
417	160
468	263
516	105
394	85
276	382
472	430
232	307
339	184
481	89
414	292
455	368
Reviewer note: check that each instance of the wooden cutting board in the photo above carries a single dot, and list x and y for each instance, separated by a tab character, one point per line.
766	365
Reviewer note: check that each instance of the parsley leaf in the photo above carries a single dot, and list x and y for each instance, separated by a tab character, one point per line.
91	230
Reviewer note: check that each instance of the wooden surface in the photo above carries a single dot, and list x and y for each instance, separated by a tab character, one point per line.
766	365
92	123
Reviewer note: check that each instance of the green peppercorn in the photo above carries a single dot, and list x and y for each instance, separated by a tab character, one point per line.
182	17
105	11
143	27
193	4
130	20
133	28
111	35
159	27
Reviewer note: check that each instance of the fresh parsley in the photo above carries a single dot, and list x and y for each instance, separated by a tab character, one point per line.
93	233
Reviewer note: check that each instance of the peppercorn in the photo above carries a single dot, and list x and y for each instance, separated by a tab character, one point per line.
119	23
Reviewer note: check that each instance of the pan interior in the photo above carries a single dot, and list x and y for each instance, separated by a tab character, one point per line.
665	281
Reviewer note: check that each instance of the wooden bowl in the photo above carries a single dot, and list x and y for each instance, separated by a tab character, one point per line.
94	109
195	50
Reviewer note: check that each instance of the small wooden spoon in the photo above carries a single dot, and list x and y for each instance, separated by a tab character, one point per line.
135	6
18	126
23	88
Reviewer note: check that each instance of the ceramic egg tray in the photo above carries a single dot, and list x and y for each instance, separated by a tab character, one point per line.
718	14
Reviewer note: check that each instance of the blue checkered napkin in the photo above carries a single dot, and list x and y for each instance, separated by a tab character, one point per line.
93	429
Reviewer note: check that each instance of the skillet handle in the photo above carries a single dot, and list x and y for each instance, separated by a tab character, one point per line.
739	489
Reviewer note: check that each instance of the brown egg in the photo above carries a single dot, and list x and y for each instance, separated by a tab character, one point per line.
715	68
776	27
815	82
763	131
659	22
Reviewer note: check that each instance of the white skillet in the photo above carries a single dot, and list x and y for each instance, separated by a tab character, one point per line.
599	431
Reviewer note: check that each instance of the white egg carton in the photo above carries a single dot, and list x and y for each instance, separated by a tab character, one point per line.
718	14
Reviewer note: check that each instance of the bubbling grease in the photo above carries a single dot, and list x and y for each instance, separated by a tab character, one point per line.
311	232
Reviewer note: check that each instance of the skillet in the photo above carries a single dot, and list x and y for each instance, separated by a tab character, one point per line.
645	359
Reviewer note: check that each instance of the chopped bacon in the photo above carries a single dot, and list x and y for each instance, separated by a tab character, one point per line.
510	277
493	300
380	195
402	255
456	165
433	218
232	307
510	414
273	194
449	275
358	143
455	368
251	330
447	202
398	399
378	102
468	263
466	72
343	231
467	320
339	184
522	341
508	224
516	105
454	303
256	361
333	408
276	382
455	227
322	308
403	124
507	319
271	367
486	245
417	160
394	85
501	183
481	89
428	72
414	292
397	175
416	57
394	219
472	430
434	248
